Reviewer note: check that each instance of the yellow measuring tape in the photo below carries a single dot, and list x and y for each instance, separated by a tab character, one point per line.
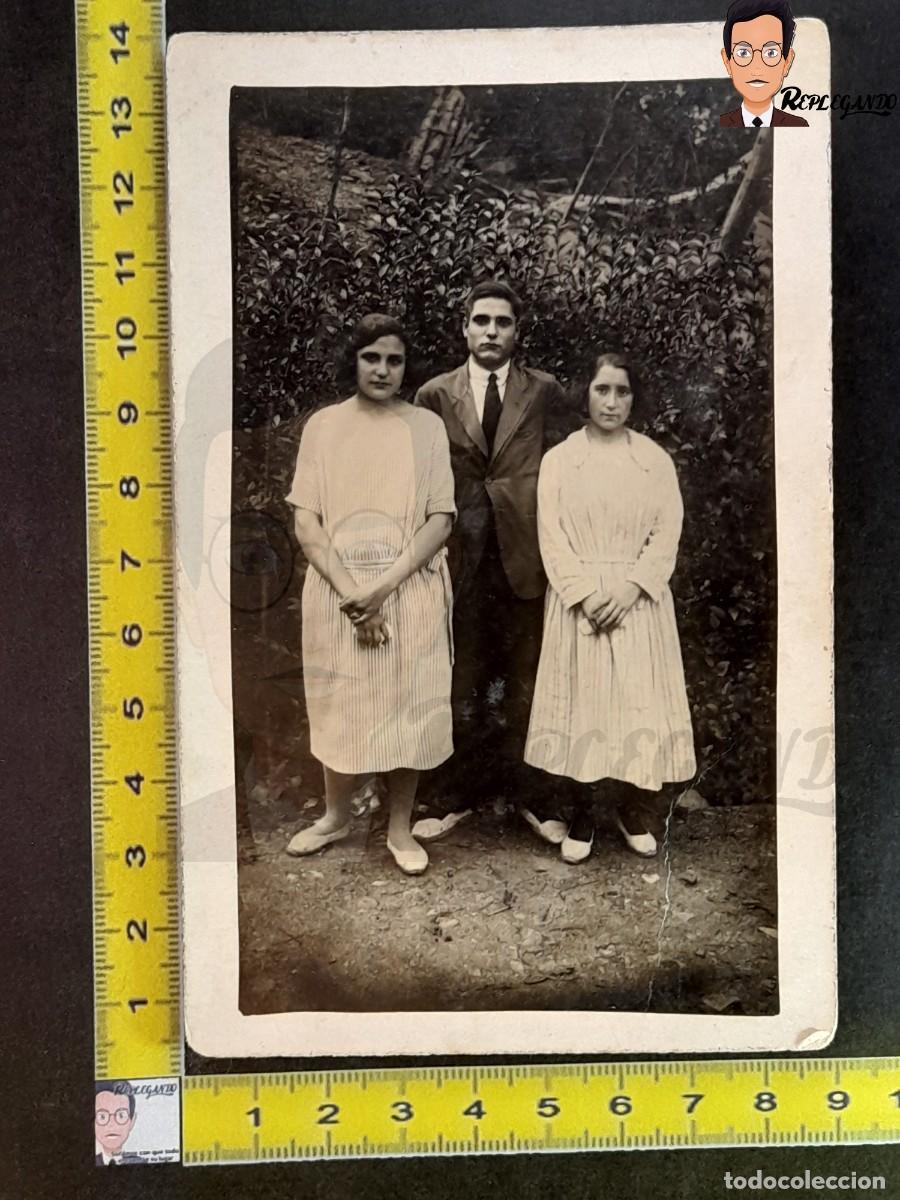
423	1110
598	1106
130	601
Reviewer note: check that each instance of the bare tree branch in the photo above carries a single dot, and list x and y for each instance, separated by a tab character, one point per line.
697	171
747	199
593	156
611	176
339	154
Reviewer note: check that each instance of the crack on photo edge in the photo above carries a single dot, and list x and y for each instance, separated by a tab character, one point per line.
667	868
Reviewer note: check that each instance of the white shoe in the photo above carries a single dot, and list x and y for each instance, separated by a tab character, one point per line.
643	844
410	862
310	840
432	829
551	831
574	851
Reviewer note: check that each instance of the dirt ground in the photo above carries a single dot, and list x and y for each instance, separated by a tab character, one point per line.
499	921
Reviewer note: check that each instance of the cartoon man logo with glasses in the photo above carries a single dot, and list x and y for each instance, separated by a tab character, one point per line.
758	56
113	1121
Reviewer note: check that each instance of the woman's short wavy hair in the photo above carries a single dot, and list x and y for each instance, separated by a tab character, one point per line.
369	329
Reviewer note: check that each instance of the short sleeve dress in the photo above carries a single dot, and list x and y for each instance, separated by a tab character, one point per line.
610	705
374	475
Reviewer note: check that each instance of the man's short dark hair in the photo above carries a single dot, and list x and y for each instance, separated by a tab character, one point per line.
497	289
749	10
118	1087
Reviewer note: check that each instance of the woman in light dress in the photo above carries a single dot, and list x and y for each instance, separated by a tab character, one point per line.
610	700
373	494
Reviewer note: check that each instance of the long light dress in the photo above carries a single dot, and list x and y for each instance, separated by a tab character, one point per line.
610	705
374	475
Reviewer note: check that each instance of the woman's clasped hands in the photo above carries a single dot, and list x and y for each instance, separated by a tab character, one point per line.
605	610
363	606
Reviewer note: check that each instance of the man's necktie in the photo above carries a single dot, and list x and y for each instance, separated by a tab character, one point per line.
492	406
757	121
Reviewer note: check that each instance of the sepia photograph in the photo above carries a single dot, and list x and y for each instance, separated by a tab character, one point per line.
504	683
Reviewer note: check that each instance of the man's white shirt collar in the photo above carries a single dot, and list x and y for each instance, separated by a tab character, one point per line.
749	117
478	382
478	375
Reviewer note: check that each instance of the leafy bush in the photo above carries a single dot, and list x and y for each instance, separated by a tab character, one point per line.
700	326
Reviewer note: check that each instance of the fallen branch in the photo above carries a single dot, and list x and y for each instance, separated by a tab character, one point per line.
722	180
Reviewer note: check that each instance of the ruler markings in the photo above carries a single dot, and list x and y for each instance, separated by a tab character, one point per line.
125	335
364	1100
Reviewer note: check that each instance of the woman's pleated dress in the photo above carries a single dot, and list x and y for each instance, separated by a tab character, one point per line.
374	474
610	705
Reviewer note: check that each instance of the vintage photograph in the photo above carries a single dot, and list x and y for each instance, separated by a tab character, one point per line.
490	519
503	392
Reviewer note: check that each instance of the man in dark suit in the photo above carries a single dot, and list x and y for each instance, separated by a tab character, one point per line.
493	411
757	55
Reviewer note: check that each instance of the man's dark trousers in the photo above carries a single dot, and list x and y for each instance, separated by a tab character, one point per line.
497	642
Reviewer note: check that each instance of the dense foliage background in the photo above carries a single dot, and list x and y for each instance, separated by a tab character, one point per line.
316	248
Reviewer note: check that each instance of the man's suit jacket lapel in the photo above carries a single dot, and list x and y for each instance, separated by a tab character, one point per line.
516	399
464	404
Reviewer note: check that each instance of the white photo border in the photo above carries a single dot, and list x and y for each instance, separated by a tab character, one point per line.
201	71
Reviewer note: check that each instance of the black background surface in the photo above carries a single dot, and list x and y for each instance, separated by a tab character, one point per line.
47	1027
